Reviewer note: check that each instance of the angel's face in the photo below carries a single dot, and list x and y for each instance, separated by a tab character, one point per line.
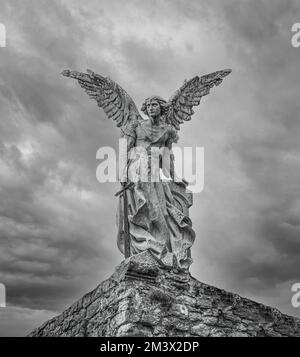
153	109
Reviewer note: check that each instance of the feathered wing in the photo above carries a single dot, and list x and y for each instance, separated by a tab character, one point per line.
111	97
190	94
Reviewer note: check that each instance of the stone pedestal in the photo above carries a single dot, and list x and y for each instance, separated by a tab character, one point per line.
143	298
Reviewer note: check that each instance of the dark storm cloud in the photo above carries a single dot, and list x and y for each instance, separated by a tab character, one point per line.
151	65
259	35
18	321
49	194
38	97
265	30
47	31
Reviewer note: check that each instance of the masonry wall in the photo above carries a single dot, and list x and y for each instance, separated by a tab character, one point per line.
143	299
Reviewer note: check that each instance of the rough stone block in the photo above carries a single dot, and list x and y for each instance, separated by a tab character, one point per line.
144	298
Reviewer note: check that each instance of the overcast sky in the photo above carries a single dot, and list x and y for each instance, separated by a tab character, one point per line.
57	222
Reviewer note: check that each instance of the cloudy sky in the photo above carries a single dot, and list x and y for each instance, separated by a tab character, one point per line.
57	222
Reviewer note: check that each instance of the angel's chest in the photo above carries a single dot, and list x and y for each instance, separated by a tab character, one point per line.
152	133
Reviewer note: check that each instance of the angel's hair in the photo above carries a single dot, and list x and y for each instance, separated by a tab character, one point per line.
162	103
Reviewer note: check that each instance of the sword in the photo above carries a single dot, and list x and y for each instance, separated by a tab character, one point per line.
122	192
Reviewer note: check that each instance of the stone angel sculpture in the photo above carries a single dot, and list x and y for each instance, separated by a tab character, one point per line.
152	214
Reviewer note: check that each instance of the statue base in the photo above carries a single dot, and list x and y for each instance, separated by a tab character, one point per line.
144	298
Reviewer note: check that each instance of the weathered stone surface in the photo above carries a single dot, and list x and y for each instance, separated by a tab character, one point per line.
142	223
142	298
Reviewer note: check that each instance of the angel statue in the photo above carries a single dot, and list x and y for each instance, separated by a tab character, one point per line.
152	214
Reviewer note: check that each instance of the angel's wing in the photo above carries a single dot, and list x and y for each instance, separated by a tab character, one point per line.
111	97
190	94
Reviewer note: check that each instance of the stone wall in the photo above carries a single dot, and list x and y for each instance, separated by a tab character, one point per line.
144	299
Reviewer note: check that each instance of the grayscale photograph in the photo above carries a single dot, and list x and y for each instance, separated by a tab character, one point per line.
149	171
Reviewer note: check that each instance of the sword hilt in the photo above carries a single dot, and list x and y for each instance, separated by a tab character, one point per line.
125	187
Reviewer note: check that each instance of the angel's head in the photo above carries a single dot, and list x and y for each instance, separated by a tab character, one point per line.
154	107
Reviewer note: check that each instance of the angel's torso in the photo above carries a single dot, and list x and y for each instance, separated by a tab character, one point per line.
149	134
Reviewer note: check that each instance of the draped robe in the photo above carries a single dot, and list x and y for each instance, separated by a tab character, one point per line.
156	221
